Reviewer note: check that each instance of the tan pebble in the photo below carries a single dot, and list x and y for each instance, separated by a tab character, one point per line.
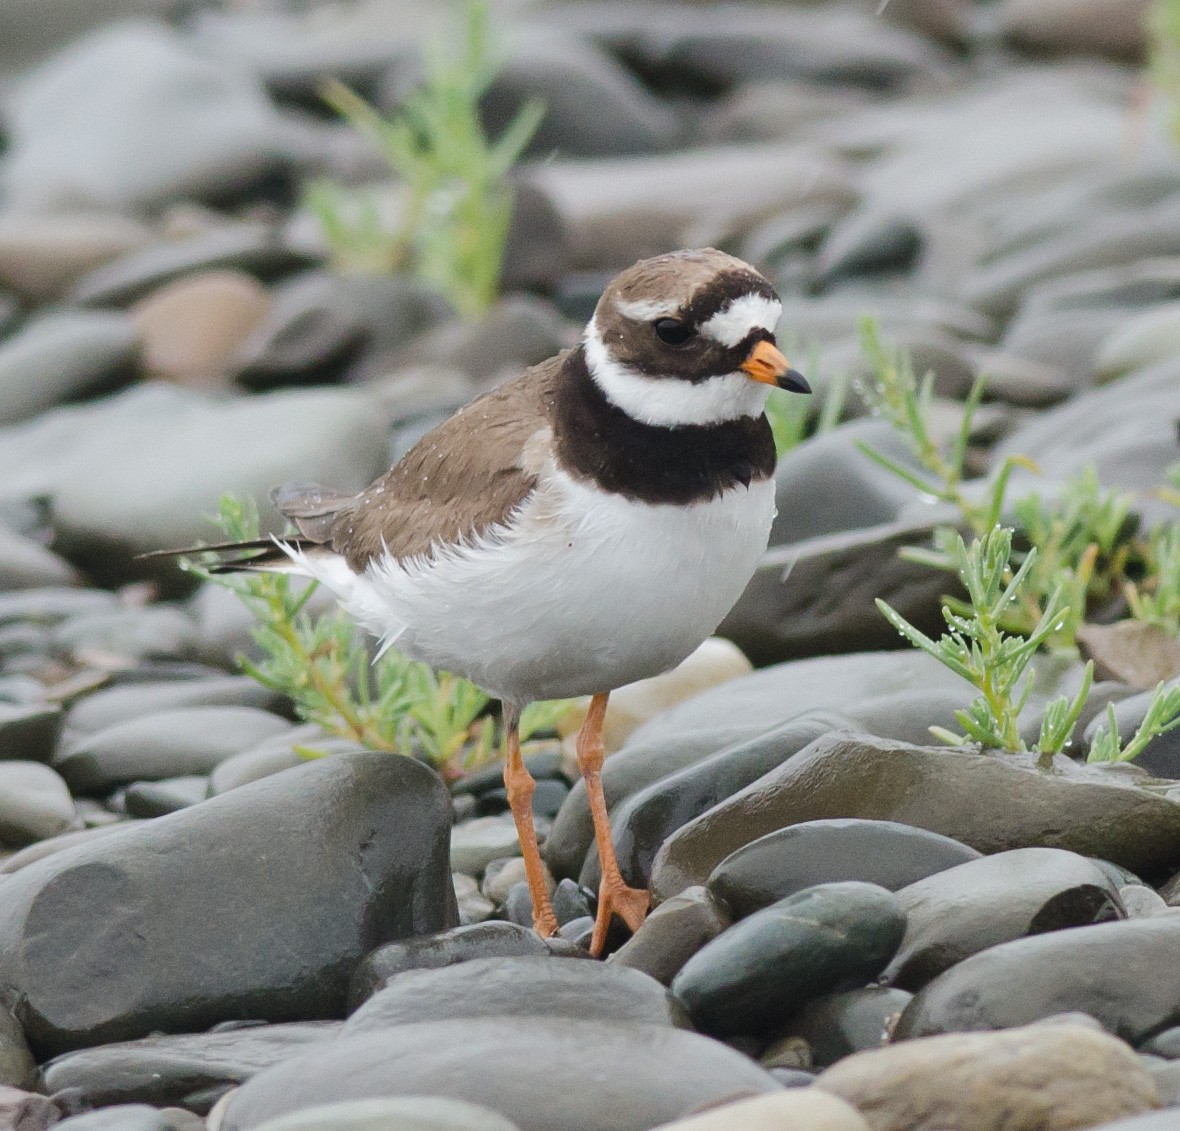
797	1109
192	327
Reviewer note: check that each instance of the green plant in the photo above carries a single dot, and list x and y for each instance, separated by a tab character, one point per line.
977	647
789	413
996	663
1156	600
1083	538
323	665
458	200
1163	25
1163	715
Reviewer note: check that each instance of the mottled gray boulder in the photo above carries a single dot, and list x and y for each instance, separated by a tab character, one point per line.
279	887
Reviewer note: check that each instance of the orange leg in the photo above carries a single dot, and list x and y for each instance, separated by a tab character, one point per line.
520	785
614	896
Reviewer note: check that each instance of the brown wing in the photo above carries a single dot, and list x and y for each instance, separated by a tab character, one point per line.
462	477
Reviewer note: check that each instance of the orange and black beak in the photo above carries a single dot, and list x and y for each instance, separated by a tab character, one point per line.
767	365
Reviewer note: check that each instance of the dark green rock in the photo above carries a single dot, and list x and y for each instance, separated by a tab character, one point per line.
443	948
959	912
254	905
541	1073
760	971
992	802
187	1069
837	1025
1126	975
520	987
29	731
820	852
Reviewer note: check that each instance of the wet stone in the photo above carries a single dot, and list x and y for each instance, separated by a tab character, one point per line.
781	863
473	907
444	948
509	1064
838	1025
532	986
183	1068
1092	810
751	978
642	822
673	933
34	803
165	744
572	902
477	843
63	356
129	635
114	705
992	900
1123	974
29	731
154	799
124	910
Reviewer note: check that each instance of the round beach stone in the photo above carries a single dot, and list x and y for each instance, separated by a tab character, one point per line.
156	798
34	803
61	356
129	635
1122	974
673	933
992	900
1056	1077
113	705
18	1069
281	887
838	1025
444	948
29	731
751	978
164	744
192	327
121	1117
781	863
407	1113
475	844
800	1109
538	1072
186	1069
531	986
131	117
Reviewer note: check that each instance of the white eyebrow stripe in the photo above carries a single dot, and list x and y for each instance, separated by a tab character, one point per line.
669	402
746	313
646	310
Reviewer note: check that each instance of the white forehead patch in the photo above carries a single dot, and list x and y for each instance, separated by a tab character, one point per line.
668	402
646	310
735	322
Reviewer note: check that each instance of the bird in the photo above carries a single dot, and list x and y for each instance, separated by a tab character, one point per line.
582	526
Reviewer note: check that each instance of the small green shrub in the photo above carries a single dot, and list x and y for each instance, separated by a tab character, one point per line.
324	666
458	205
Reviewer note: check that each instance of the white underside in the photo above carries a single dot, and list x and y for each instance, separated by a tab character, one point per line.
581	592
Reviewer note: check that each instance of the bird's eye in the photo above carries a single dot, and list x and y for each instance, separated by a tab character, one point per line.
673	332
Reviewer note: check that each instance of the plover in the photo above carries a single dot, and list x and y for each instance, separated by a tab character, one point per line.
583	526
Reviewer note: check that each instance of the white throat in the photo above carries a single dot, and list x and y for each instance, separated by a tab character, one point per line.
667	402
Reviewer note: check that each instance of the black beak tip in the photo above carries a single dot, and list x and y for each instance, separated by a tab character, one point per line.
794	382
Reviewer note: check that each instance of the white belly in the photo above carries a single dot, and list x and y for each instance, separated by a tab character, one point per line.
582	593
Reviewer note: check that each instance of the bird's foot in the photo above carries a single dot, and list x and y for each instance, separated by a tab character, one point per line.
545	922
616	898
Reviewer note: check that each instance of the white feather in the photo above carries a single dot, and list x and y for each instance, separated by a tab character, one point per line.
579	591
734	322
646	310
668	401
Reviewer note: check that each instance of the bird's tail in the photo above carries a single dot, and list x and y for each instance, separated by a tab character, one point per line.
314	511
